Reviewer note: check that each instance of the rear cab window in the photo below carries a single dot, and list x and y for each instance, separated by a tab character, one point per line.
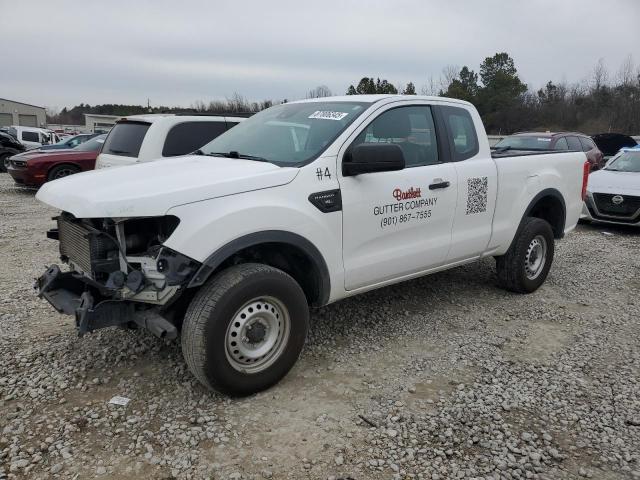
125	139
188	137
463	138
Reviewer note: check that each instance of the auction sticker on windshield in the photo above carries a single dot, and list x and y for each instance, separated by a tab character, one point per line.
326	115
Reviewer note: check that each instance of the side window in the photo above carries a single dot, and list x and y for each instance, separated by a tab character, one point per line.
462	132
574	143
586	143
231	125
187	137
30	137
411	128
561	144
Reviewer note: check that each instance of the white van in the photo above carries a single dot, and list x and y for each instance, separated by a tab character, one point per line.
142	138
32	137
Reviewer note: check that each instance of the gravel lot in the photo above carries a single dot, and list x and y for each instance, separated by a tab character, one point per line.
442	377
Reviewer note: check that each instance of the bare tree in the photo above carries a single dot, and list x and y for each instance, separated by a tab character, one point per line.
320	91
53	111
430	88
449	74
600	76
625	73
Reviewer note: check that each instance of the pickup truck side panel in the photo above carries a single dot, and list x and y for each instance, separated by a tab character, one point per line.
521	179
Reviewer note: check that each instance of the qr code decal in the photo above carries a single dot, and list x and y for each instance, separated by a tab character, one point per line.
477	195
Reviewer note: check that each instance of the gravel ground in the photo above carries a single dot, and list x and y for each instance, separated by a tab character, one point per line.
442	377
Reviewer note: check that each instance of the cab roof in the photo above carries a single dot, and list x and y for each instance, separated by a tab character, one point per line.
379	97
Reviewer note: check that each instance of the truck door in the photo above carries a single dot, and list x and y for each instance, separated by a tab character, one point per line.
477	184
398	223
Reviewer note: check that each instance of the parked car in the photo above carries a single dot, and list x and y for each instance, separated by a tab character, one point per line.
32	137
613	193
33	168
9	146
566	141
611	143
304	203
142	138
69	142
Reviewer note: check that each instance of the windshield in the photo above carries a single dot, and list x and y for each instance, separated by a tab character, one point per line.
287	135
92	145
522	142
628	161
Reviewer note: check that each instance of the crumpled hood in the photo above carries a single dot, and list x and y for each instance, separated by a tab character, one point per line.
607	181
152	188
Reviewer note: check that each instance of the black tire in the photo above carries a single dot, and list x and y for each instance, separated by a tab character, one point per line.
3	159
61	171
207	328
514	268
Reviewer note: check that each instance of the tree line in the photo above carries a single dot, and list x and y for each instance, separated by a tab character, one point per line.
601	103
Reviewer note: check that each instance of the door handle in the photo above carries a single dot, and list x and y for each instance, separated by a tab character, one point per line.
440	184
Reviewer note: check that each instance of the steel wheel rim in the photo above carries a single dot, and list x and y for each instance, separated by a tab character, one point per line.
65	172
536	257
257	335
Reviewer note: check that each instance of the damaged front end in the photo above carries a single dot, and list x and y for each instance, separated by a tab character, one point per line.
119	273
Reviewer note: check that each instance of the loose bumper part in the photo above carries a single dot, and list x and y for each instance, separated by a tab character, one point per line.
73	294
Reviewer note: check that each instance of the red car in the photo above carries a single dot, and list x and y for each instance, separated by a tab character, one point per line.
534	141
36	167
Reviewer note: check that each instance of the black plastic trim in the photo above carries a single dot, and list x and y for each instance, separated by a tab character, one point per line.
267	236
327	201
547	192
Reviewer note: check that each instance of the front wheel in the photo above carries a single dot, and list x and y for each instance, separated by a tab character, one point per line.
62	171
526	264
245	329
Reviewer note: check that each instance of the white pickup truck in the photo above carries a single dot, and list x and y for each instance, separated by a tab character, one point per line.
301	205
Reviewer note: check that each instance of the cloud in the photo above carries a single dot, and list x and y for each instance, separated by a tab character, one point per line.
177	52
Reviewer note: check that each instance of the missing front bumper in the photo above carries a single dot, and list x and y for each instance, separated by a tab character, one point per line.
73	294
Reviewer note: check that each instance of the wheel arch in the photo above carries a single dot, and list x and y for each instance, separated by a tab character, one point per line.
61	164
287	251
548	205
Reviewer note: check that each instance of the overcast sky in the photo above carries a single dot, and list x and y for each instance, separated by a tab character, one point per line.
61	53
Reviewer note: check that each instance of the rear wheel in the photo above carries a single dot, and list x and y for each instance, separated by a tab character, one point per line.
62	171
245	329
526	264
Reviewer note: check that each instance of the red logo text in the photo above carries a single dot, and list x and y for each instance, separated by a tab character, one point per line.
398	194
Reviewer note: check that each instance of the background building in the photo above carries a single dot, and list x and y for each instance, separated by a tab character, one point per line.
95	123
23	114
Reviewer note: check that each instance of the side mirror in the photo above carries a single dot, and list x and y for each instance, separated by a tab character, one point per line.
372	157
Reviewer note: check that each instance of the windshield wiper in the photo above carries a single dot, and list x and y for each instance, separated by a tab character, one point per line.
234	154
119	152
